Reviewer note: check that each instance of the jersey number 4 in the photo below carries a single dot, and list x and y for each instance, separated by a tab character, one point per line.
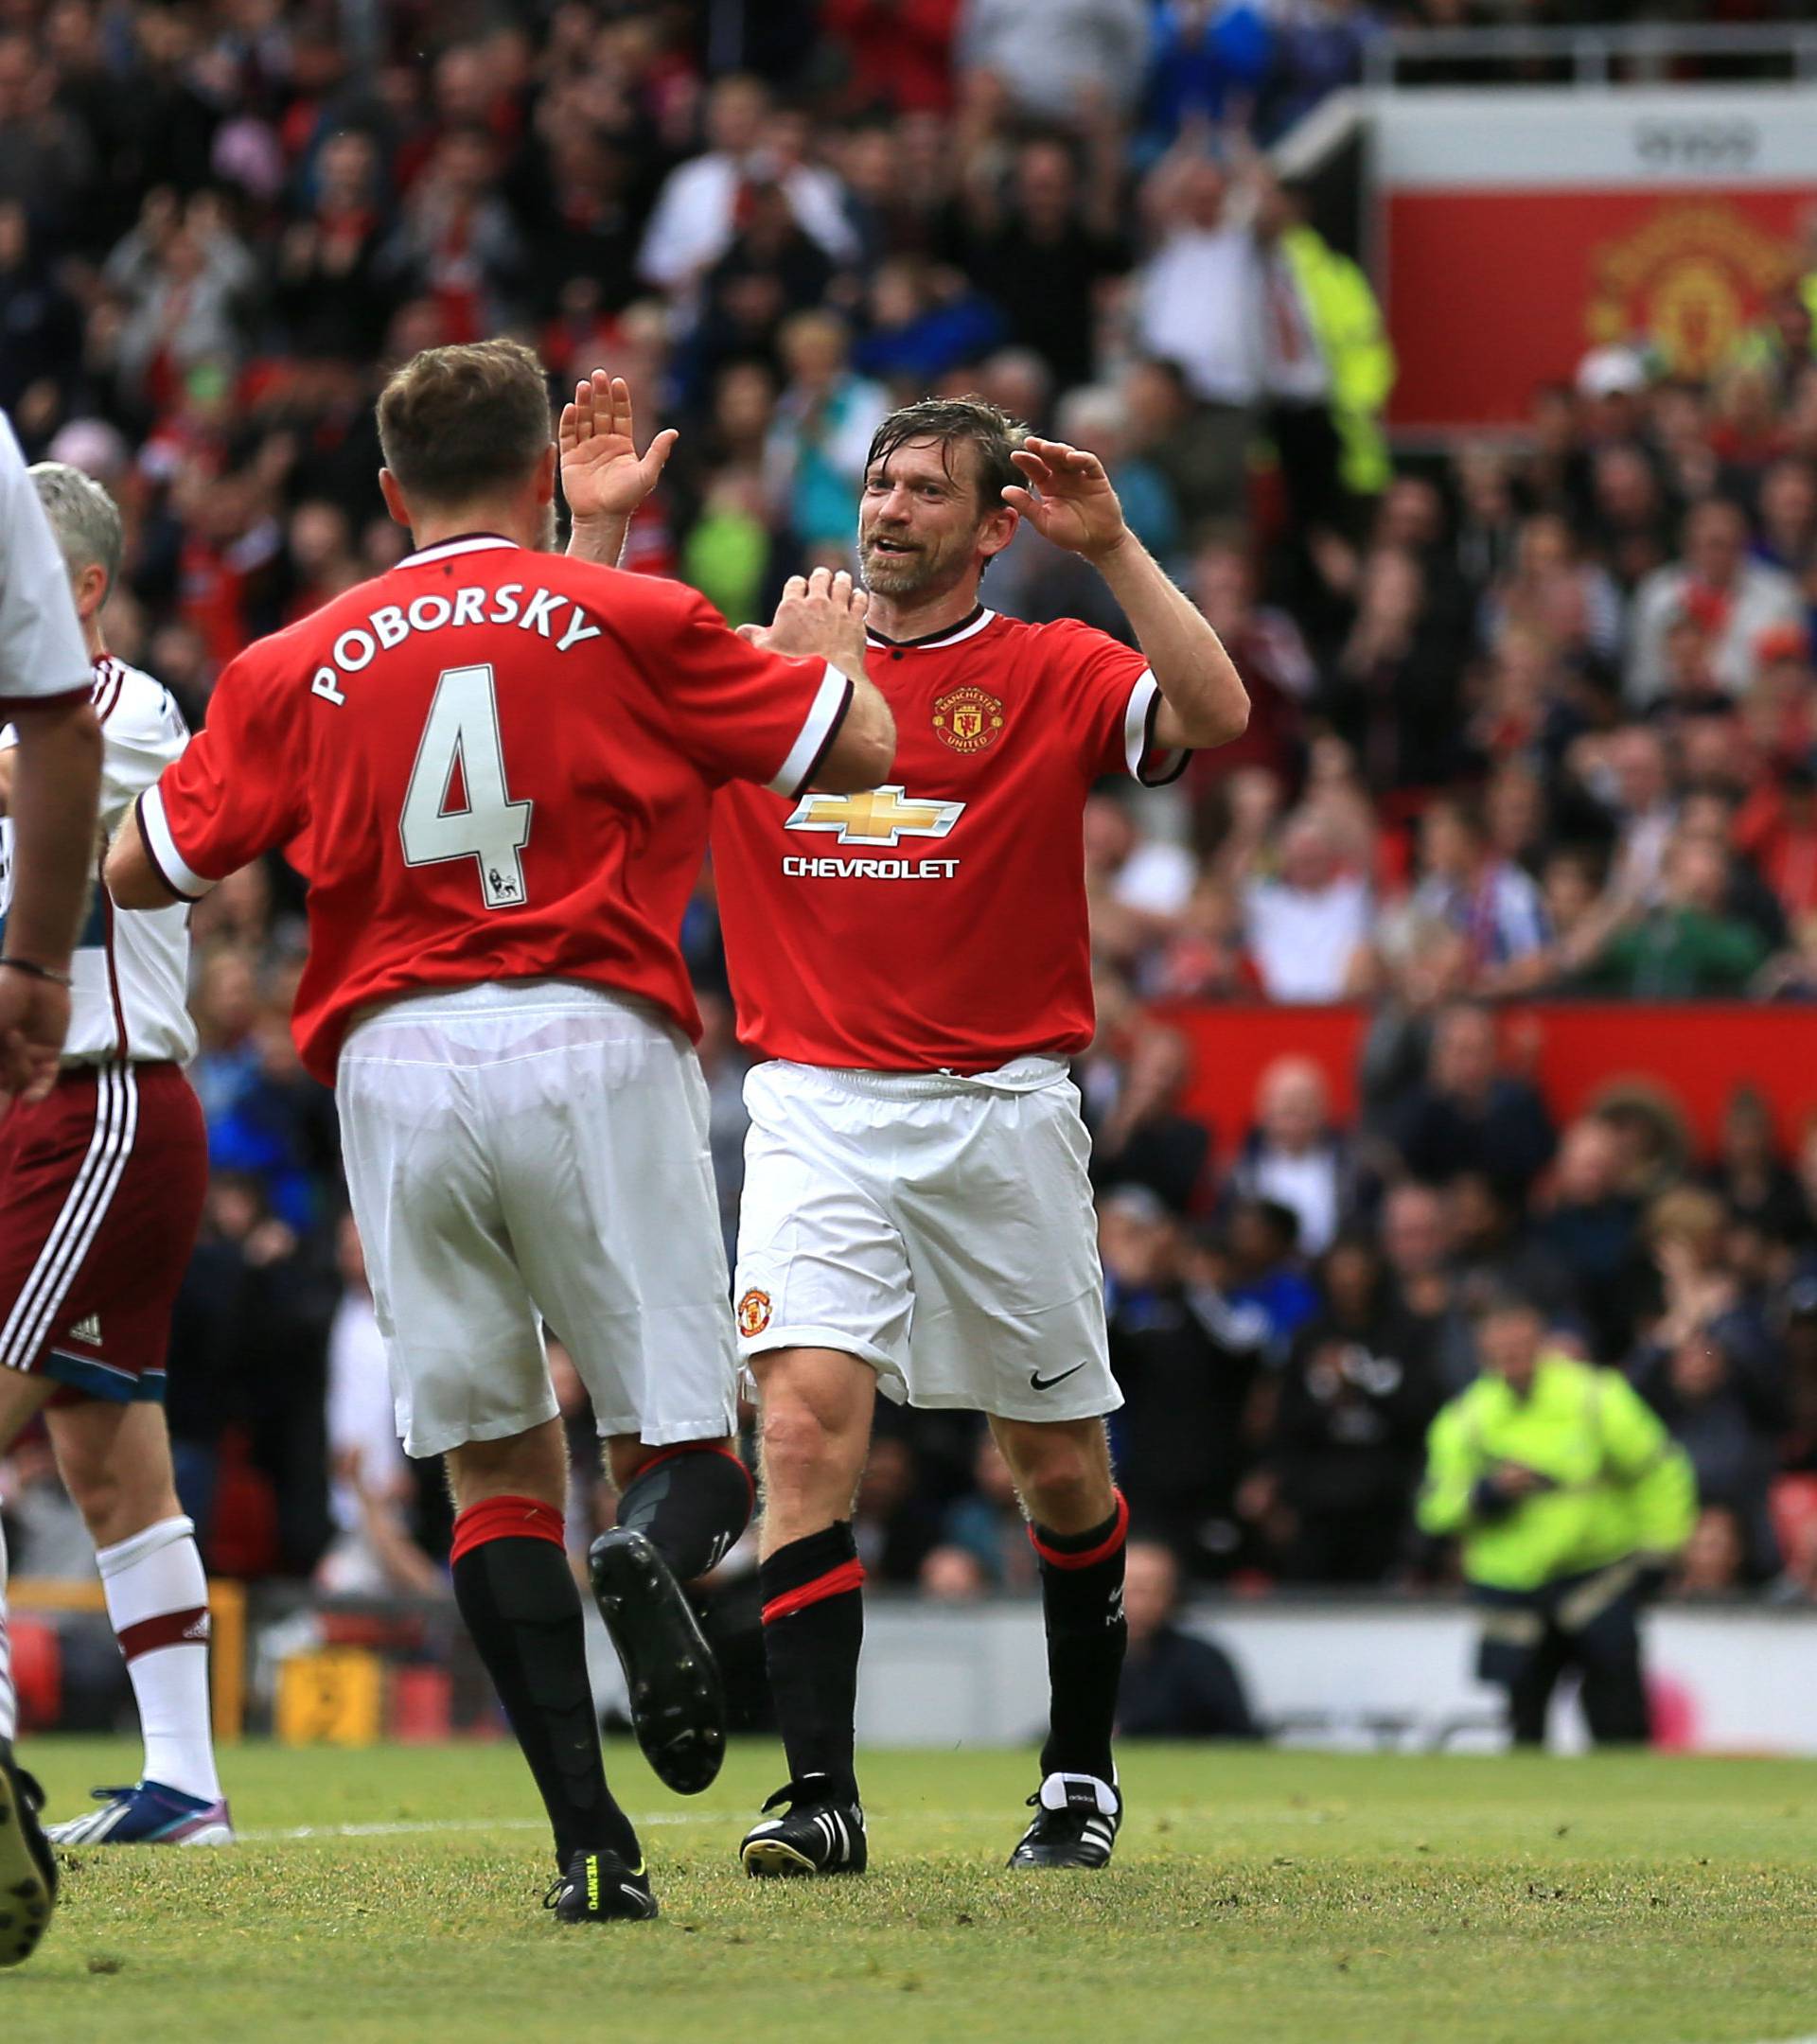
461	749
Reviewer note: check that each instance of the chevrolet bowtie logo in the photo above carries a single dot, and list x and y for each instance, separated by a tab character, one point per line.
882	816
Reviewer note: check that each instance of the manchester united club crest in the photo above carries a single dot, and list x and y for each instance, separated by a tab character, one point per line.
968	719
754	1314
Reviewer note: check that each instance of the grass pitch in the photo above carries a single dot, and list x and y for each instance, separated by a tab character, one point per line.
1276	1897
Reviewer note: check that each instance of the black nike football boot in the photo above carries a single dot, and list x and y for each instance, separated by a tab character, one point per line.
677	1700
598	1886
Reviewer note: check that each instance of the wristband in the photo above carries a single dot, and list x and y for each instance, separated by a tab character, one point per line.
35	971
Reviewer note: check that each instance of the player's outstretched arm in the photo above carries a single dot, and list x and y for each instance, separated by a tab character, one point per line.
603	476
821	617
1067	498
133	880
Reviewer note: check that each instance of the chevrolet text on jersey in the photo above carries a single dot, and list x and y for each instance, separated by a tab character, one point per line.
392	624
870	869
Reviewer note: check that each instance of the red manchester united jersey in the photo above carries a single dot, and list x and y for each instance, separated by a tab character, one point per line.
938	922
492	764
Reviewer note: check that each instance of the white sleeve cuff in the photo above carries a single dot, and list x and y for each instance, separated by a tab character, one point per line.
816	733
175	869
1151	768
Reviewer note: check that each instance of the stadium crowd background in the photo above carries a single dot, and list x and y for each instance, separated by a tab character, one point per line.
1535	716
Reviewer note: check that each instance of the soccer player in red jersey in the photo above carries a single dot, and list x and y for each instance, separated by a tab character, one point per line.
500	764
914	962
101	1187
45	685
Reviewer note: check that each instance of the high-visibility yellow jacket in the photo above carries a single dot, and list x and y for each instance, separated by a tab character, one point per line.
1620	1486
1347	322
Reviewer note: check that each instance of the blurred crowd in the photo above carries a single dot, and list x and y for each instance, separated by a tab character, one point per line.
1534	715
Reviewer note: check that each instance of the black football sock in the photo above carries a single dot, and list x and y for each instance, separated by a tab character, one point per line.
1081	1600
693	1501
813	1629
519	1598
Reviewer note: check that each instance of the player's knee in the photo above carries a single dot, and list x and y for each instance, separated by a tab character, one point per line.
801	1451
1064	1477
1062	1492
97	1493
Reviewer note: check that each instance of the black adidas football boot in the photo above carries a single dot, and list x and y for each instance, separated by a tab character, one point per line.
28	1865
598	1886
822	1833
677	1700
1076	1818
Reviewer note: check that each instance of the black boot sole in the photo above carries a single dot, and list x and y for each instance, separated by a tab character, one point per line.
27	1897
677	1700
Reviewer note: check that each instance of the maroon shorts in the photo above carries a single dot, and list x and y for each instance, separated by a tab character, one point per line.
101	1188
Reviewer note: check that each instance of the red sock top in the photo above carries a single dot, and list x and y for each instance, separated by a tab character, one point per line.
506	1517
835	1582
1076	1558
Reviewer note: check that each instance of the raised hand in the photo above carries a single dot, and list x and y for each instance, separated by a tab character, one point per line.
602	474
1076	508
820	616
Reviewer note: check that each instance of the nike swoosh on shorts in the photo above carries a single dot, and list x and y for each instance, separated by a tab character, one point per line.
1040	1382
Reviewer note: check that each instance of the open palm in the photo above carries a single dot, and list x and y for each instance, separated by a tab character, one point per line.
602	474
1066	497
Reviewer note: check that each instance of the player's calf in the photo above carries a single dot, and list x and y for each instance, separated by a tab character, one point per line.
115	1458
679	1509
518	1596
1079	1525
692	1500
677	1699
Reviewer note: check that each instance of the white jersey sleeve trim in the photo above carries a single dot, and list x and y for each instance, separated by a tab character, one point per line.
175	871
823	720
1152	768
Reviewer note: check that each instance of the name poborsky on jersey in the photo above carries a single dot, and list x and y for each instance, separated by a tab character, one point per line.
392	624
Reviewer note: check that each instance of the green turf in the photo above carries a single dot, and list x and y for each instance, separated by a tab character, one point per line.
1266	1897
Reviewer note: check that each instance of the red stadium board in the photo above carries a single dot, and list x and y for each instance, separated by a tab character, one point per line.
1699	1053
1516	231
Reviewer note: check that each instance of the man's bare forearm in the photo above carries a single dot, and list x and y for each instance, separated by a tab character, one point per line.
1204	700
599	541
131	878
56	789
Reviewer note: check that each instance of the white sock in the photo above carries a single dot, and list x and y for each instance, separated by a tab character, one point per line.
8	1702
157	1597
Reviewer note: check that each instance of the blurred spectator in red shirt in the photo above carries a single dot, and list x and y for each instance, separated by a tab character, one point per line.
900	51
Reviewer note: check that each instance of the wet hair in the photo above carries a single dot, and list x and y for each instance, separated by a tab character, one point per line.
455	422
957	422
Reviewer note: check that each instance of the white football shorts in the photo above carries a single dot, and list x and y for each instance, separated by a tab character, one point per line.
536	1152
939	1228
